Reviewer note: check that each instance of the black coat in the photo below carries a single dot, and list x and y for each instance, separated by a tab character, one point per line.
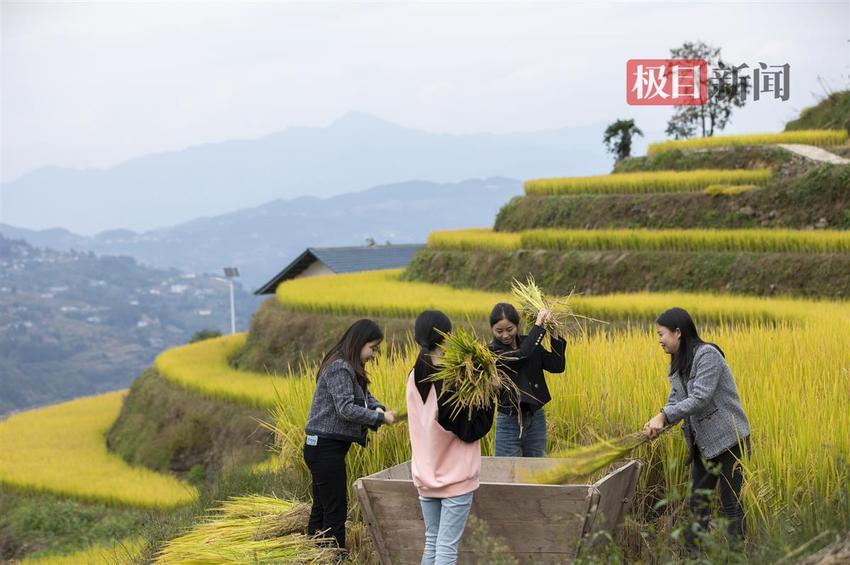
526	368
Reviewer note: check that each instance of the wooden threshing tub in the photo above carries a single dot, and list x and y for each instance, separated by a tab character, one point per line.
536	523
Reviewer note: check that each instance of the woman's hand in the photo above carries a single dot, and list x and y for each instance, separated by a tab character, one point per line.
653	427
389	417
543	316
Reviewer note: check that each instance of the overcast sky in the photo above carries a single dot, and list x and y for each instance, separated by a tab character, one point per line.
90	85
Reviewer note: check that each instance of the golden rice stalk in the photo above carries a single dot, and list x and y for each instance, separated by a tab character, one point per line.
730	189
470	373
531	300
250	529
584	460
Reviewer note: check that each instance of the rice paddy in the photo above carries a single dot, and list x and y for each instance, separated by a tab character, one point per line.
693	240
61	450
385	293
121	551
615	381
203	367
821	138
647	182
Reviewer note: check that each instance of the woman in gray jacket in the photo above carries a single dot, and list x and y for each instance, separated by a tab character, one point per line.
342	410
704	397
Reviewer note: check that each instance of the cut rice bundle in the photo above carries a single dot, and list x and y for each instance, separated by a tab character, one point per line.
584	460
532	300
250	529
470	373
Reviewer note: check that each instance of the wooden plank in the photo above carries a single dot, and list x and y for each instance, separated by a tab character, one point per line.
400	471
590	521
534	502
615	492
519	535
470	558
393	500
504	469
374	527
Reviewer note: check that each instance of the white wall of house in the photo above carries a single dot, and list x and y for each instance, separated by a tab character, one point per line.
317	268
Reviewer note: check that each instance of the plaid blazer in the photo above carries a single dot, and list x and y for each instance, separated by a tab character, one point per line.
708	403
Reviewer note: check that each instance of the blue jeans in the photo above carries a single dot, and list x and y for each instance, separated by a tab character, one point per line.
532	442
445	519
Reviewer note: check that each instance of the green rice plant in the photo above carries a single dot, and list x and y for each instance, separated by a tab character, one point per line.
696	240
469	372
647	182
250	529
819	137
730	189
122	551
60	449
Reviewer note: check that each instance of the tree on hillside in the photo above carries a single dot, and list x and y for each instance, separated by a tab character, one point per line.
726	91
618	138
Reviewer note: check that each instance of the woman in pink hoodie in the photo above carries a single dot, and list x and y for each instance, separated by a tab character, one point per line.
446	450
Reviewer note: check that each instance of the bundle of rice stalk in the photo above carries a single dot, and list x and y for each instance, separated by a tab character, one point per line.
531	300
250	529
469	372
584	460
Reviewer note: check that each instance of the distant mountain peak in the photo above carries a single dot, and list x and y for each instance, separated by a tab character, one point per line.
354	119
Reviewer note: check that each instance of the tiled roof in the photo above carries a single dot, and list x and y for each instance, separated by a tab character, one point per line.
346	260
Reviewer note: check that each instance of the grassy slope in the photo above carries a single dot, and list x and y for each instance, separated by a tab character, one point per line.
33	524
602	272
280	338
833	112
167	428
820	193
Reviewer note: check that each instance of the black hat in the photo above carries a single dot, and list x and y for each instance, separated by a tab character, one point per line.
427	324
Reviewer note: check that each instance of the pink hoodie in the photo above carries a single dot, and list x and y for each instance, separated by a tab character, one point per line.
443	465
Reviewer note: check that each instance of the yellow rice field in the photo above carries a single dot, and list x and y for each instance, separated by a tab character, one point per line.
615	381
385	293
646	182
123	551
819	137
61	450
739	240
203	368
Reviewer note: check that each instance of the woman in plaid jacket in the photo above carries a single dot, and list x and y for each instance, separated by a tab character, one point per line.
704	397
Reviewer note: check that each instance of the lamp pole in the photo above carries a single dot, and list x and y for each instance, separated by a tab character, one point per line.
230	273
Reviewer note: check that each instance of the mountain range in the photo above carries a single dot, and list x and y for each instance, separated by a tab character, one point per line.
356	152
262	240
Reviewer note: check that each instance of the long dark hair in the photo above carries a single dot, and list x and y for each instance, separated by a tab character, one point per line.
679	319
504	311
427	333
349	346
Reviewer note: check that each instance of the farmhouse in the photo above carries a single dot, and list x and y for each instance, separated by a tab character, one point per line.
315	261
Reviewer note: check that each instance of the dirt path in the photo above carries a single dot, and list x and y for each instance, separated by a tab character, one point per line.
815	153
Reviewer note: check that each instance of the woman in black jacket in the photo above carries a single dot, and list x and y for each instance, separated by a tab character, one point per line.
521	420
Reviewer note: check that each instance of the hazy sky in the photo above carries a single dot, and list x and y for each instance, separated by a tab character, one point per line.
93	84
